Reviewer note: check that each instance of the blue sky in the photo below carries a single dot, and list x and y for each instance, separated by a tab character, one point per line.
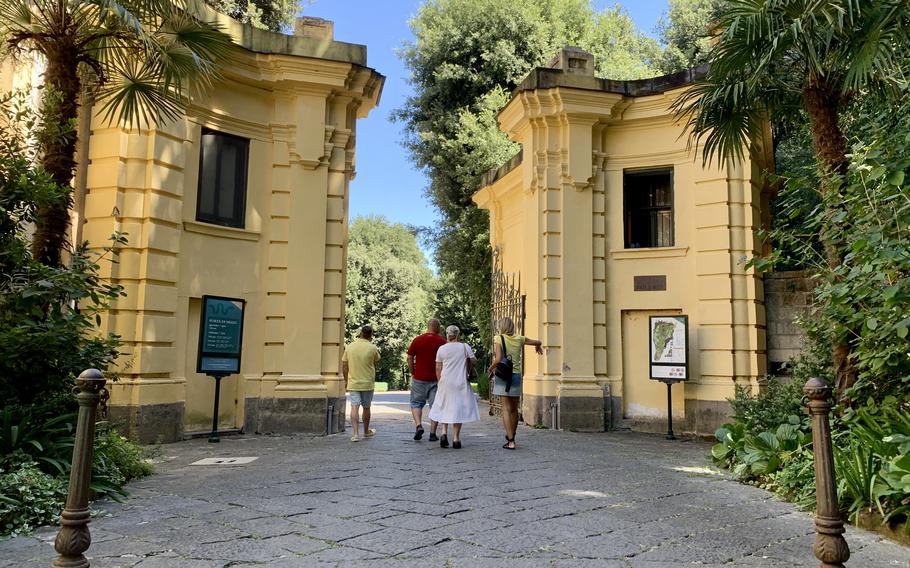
387	183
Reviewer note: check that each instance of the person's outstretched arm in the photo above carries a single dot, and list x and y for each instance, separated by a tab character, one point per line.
536	344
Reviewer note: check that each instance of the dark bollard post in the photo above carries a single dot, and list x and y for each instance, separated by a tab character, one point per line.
74	539
830	546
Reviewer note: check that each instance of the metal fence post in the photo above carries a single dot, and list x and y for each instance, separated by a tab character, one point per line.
830	546
73	539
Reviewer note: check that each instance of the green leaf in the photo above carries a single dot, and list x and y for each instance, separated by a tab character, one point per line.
896	178
719	452
872	323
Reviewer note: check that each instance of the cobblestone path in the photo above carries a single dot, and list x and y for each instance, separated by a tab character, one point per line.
562	499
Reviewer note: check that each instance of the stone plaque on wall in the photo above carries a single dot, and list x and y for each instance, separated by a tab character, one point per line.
654	283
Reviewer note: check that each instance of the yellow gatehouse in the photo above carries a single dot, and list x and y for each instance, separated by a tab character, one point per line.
610	216
245	196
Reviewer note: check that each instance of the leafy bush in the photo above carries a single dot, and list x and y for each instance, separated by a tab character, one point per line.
751	455
46	441
872	459
776	401
857	467
896	487
732	439
795	481
36	451
29	498
116	461
871	453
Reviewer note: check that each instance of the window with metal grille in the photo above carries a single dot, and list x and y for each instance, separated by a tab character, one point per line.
648	199
222	179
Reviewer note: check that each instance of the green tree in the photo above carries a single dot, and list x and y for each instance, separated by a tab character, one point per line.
274	15
686	30
139	58
774	57
466	57
389	287
47	313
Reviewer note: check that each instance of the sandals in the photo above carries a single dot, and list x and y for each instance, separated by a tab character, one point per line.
509	441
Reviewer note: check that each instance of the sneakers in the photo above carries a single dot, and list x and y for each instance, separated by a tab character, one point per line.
419	434
433	437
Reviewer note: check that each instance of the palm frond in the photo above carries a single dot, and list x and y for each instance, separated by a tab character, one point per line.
188	52
16	17
769	51
134	94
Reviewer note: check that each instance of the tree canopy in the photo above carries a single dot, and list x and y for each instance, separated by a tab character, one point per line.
389	287
273	15
685	29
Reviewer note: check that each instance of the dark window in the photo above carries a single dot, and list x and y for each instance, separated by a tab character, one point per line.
222	179
648	198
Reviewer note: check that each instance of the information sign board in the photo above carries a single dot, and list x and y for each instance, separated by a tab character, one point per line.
220	335
669	347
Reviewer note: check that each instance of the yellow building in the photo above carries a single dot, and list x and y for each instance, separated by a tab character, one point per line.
245	197
610	217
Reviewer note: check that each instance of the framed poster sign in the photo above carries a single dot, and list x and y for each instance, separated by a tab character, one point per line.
220	335
668	337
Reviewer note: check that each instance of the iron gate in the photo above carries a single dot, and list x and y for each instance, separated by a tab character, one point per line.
506	301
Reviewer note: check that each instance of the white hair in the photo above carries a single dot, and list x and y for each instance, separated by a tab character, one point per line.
452	331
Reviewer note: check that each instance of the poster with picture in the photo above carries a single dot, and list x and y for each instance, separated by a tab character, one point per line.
669	347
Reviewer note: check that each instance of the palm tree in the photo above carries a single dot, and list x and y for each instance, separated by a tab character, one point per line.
140	58
774	57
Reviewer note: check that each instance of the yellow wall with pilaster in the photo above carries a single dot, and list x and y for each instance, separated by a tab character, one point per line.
299	112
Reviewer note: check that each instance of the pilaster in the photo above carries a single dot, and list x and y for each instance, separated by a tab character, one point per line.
135	186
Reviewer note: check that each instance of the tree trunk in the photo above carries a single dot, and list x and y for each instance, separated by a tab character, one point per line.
57	138
823	105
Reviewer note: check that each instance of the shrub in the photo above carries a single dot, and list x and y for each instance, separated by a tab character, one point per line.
29	498
116	461
872	458
774	404
796	480
752	455
27	437
33	444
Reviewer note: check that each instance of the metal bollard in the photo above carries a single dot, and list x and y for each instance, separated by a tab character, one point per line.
74	539
329	419
830	546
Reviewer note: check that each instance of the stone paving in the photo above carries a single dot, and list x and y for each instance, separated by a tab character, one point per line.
562	499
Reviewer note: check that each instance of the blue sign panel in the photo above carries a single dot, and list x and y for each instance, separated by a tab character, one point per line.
220	335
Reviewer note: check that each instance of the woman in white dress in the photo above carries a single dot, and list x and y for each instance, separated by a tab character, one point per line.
455	401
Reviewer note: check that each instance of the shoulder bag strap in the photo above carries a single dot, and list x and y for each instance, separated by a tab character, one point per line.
503	339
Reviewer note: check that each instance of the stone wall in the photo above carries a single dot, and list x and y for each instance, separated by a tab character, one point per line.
788	295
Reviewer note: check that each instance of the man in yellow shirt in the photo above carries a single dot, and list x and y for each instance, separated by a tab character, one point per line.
358	365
